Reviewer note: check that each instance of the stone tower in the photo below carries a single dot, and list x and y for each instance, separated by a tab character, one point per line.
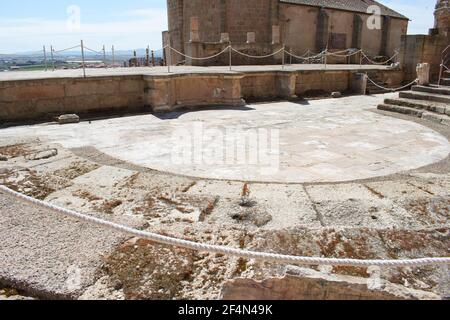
442	17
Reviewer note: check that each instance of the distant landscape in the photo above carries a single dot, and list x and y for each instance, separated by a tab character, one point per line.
35	61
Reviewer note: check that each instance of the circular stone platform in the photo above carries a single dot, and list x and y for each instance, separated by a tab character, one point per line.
319	141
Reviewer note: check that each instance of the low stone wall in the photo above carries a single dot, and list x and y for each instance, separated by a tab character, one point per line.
167	93
24	100
44	99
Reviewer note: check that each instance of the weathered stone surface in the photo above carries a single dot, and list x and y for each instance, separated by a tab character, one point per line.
68	118
307	284
46	154
336	94
423	73
57	257
400	109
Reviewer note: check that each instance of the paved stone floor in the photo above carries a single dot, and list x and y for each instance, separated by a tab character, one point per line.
399	216
28	75
319	141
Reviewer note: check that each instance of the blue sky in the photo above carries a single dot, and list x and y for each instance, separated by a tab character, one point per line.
27	25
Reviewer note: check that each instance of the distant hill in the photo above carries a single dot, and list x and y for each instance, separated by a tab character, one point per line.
77	53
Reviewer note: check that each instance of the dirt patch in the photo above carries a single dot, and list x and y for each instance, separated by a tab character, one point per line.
108	206
30	183
144	270
14	151
76	169
83	194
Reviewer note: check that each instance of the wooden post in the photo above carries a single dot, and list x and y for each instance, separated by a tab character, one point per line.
82	59
113	56
104	56
230	55
45	59
53	61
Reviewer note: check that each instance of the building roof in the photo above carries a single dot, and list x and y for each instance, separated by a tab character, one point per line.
348	5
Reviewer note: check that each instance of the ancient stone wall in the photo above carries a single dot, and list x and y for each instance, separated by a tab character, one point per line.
417	49
300	31
205	22
45	99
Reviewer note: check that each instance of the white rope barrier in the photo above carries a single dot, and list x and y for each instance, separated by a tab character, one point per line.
317	56
63	50
202	58
258	57
335	54
445	67
380	63
392	89
279	258
95	51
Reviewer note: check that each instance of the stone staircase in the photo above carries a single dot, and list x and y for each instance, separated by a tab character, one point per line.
446	78
426	102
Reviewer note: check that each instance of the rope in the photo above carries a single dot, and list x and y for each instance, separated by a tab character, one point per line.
317	56
335	54
392	89
258	57
444	66
279	258
57	51
97	52
204	58
380	63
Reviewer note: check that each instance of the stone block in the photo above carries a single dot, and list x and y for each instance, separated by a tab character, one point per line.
336	94
68	118
225	37
307	284
251	37
276	35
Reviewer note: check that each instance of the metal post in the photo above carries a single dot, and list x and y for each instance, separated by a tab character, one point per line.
290	56
82	59
147	56
53	61
360	58
284	56
45	59
113	57
104	56
153	58
230	55
325	59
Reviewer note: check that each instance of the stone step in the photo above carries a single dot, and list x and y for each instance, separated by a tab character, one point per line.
438	118
403	110
422	105
436	90
373	89
430	116
425	96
